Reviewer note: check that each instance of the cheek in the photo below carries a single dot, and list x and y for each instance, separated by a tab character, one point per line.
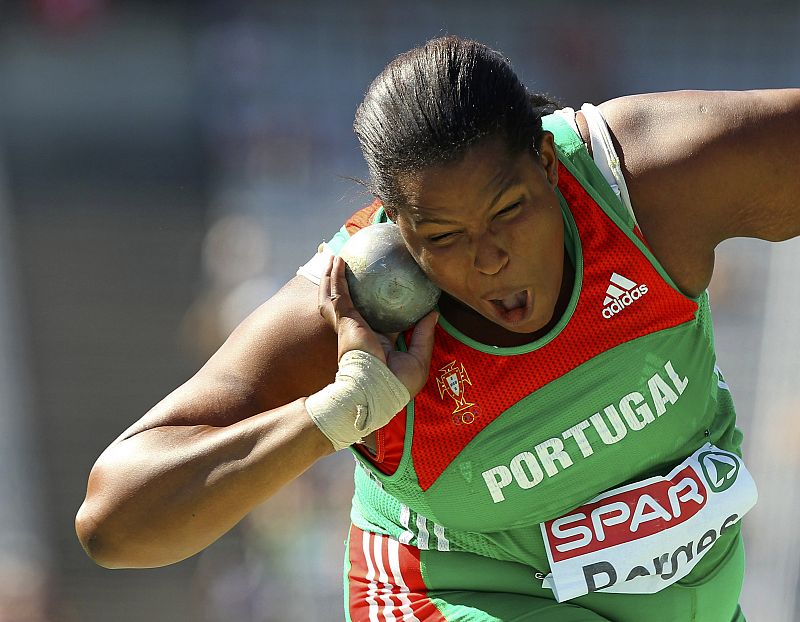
552	245
448	269
541	247
440	268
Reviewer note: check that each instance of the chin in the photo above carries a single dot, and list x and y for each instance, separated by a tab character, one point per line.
529	328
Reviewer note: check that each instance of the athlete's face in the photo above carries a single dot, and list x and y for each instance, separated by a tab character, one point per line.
488	230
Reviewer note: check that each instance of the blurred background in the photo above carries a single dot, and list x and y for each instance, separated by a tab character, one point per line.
166	165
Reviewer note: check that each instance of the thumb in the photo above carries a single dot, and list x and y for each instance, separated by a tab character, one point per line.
421	346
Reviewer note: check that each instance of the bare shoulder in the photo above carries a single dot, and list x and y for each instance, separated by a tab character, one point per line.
705	166
284	350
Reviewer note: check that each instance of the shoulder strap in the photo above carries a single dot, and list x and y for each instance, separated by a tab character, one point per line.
574	155
605	155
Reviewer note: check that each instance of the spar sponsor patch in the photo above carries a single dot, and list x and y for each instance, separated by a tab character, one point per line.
645	536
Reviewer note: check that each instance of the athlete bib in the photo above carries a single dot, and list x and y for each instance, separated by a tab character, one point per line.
645	536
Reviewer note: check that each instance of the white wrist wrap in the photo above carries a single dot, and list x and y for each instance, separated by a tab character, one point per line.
364	397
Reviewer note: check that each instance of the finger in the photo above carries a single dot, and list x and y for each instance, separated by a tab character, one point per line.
340	301
421	346
324	306
352	328
338	280
340	293
325	281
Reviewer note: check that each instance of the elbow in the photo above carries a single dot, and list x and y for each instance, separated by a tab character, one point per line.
90	534
95	525
104	546
102	531
109	538
105	523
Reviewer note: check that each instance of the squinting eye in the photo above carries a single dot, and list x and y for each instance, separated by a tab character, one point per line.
442	237
509	209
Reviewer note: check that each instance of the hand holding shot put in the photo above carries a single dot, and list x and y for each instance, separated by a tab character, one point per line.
386	284
374	380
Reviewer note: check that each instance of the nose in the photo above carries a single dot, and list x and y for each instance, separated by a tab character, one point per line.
490	255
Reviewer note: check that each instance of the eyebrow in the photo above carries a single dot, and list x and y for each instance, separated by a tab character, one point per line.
425	220
505	178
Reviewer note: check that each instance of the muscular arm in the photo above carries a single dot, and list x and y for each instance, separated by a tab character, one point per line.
705	166
217	446
240	429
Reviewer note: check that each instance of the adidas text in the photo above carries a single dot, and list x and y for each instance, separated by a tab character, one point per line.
621	293
623	301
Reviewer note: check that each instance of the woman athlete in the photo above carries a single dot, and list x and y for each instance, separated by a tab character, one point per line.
555	441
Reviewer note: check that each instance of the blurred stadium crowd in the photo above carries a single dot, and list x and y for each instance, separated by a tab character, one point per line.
165	166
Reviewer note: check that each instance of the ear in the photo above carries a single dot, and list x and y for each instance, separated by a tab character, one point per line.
548	157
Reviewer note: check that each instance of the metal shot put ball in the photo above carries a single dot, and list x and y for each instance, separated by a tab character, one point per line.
387	286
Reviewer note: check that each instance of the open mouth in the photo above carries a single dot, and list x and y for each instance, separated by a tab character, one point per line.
512	301
514	307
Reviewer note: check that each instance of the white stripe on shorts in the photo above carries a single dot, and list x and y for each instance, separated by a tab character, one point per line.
373	588
386	590
394	565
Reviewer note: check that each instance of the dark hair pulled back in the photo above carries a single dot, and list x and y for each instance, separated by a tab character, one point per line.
430	104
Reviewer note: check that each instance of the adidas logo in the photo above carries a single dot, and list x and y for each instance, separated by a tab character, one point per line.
621	293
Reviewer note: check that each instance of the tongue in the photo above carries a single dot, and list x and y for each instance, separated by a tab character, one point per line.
514	301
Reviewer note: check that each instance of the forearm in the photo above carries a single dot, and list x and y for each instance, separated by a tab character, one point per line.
166	493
